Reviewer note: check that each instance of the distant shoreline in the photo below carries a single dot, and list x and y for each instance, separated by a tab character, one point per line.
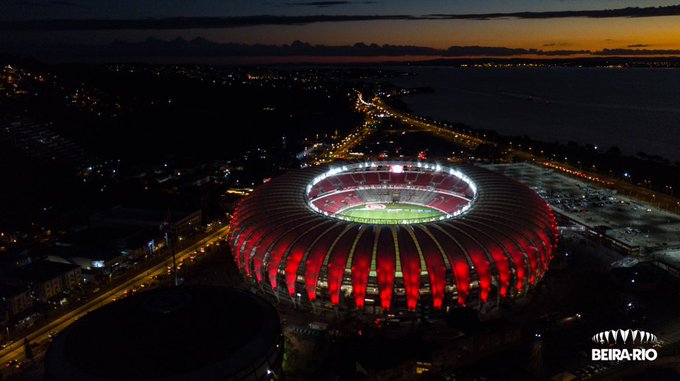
597	106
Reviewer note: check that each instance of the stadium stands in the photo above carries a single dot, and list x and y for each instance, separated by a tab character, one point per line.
337	193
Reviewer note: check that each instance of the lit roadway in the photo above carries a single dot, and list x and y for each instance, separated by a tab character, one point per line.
348	143
436	128
41	335
343	148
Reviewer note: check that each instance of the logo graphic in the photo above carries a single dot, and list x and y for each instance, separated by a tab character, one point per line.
625	345
625	336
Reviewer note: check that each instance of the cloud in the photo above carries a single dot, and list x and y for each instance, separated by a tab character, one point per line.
639	46
321	4
637	52
670	10
551	44
489	51
232	22
326	4
188	22
200	47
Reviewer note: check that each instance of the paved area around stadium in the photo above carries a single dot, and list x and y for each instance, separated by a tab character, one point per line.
396	211
636	224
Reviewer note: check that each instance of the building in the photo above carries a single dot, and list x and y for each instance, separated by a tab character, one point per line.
46	280
105	250
390	235
178	333
14	300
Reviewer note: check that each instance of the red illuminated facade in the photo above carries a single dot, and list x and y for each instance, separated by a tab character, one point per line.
493	240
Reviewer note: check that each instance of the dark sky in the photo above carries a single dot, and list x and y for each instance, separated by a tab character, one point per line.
410	22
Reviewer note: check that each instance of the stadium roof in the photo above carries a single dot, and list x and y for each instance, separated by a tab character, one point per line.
501	244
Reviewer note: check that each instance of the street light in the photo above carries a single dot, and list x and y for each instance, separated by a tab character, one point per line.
270	373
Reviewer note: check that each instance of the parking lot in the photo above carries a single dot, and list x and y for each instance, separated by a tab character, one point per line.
634	225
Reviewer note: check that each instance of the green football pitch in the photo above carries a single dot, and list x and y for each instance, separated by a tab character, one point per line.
389	213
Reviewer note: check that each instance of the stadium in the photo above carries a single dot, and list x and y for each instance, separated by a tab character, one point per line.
384	236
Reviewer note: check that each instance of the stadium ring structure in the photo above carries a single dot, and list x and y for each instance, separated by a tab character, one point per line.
458	236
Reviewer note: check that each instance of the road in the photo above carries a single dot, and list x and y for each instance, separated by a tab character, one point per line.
41	335
436	128
343	148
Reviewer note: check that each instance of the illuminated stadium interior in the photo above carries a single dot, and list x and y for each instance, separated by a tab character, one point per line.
379	193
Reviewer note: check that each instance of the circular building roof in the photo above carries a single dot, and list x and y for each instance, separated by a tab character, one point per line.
462	234
180	333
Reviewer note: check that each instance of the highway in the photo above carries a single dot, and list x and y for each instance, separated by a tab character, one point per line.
432	127
342	149
41	335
